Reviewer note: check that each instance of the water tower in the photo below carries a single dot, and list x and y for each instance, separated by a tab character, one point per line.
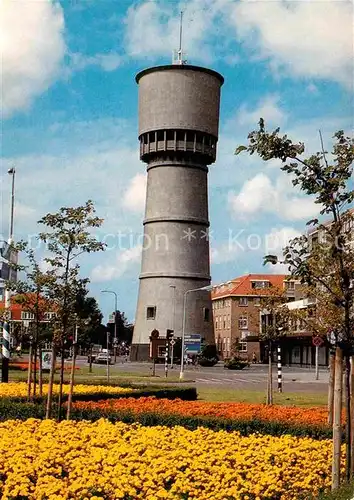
178	133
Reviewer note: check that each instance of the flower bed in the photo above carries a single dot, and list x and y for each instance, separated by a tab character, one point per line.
232	411
19	389
46	460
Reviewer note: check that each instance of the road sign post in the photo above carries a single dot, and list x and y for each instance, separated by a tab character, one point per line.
193	342
317	342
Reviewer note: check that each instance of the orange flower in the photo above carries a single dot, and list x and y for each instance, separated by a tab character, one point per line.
232	411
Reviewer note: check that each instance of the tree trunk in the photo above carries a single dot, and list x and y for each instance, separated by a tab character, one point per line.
35	370
71	388
352	418
270	377
331	387
337	414
61	382
29	373
348	438
40	372
90	365
50	384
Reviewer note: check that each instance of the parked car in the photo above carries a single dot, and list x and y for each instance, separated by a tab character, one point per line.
102	358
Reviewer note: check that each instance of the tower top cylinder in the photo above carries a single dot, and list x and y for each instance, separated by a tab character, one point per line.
179	97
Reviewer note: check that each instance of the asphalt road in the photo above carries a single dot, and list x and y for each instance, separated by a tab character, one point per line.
252	378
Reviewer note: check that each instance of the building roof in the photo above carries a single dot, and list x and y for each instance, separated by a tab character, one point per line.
16	305
241	286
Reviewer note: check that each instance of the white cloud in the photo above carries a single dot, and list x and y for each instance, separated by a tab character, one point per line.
32	48
152	28
277	239
268	108
304	38
262	195
85	160
135	195
225	252
120	265
255	196
107	62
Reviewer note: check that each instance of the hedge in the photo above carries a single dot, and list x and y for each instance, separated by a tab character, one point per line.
22	411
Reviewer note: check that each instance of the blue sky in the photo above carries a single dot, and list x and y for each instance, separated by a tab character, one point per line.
70	116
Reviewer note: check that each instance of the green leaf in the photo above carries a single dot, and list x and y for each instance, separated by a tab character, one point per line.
240	149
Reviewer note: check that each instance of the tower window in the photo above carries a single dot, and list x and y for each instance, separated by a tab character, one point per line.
206	314
170	135
180	135
151	312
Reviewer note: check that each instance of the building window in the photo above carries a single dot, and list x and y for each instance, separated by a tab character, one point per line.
27	315
161	350
260	284
243	322
290	285
257	301
49	315
243	301
243	343
151	312
206	312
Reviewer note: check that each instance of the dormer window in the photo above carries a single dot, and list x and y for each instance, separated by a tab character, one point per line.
260	284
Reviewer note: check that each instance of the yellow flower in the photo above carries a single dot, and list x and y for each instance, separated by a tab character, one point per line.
95	460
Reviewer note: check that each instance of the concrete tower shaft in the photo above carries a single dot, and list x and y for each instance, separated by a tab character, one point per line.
178	133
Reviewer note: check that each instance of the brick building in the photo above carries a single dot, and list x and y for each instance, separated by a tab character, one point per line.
21	318
237	315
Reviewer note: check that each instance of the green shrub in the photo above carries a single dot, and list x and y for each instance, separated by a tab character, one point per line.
207	361
208	355
344	493
236	364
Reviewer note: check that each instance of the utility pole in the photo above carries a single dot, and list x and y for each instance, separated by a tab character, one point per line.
173	320
115	340
108	356
6	323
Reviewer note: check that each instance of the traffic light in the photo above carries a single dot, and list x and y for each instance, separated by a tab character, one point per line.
169	334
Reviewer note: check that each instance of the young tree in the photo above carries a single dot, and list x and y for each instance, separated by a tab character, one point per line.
68	235
276	321
329	271
31	294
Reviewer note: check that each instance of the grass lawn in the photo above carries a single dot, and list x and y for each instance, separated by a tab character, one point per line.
345	493
215	394
249	396
99	376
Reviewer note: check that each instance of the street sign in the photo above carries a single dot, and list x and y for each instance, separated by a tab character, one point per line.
112	318
173	342
317	341
192	342
46	360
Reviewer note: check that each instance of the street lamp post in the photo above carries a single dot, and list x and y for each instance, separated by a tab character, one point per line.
108	357
6	324
204	288
115	322
173	319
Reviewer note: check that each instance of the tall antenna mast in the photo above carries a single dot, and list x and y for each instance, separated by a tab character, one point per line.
180	36
178	55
